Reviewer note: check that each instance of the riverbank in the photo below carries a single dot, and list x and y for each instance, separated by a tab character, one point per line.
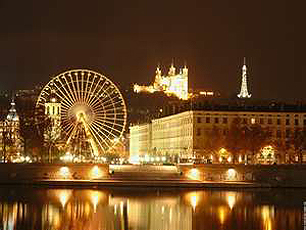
179	176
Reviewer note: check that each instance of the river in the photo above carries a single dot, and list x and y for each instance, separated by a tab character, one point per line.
26	208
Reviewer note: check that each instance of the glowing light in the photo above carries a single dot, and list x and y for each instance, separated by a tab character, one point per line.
157	158
135	159
253	121
194	174
64	171
231	174
240	159
229	159
163	158
95	172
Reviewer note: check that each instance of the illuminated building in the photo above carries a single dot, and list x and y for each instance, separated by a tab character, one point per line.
53	112
244	86
10	139
182	135
172	84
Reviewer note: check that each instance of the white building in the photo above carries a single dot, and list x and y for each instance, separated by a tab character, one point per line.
183	134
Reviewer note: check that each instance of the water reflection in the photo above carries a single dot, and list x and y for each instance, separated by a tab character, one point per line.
92	209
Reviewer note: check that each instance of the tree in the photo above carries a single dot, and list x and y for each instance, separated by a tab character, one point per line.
234	138
299	143
213	140
256	139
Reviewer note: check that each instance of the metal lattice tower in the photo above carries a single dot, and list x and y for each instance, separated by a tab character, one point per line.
244	87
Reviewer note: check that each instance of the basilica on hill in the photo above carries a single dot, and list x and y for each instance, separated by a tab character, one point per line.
173	83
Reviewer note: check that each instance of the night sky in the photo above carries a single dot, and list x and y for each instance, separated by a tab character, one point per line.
125	40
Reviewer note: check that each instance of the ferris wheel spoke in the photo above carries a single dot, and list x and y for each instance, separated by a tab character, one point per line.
94	131
105	126
105	94
109	133
69	88
76	74
113	104
94	99
68	127
93	92
82	85
73	86
115	118
106	136
108	126
90	83
71	100
121	108
67	101
86	87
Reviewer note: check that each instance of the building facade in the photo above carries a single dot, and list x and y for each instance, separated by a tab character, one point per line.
10	138
183	135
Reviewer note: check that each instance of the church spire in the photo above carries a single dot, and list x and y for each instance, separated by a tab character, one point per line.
244	87
172	69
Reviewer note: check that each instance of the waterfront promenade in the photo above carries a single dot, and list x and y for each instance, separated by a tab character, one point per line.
178	176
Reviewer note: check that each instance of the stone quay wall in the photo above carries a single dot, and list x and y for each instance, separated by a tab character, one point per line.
25	173
273	175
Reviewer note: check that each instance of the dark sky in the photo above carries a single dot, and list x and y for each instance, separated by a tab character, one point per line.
126	39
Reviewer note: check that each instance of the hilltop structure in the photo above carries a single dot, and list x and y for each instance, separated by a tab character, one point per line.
244	86
172	84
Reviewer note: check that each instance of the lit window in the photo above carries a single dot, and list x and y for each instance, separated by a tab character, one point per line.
252	121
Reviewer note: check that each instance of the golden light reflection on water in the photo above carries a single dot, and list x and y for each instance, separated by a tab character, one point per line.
231	199
193	198
88	209
63	196
267	213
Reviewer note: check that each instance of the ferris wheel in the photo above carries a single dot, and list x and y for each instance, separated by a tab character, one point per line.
89	102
